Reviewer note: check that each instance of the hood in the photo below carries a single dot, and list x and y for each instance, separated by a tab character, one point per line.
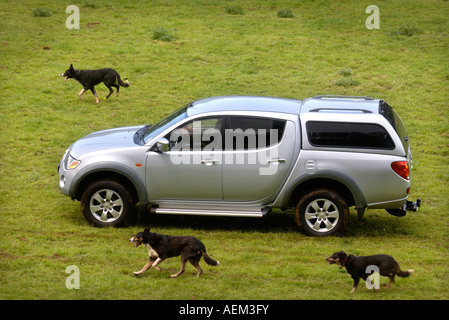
104	140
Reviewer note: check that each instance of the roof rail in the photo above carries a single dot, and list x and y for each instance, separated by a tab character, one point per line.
341	97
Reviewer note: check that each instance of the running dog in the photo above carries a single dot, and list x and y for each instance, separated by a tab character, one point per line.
161	247
358	267
90	78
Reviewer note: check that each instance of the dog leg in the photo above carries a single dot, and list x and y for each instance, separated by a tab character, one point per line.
110	92
196	263
372	284
95	95
117	87
155	263
391	277
145	268
181	271
356	283
81	92
151	263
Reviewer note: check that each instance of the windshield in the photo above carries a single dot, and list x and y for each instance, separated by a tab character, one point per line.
167	122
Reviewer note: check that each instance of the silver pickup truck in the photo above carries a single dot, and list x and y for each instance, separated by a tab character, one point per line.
241	156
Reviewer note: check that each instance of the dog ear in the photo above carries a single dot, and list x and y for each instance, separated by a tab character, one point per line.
71	67
147	230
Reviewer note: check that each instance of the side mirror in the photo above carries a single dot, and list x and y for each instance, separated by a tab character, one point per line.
163	145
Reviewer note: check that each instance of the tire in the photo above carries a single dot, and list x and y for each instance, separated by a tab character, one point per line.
322	213
106	203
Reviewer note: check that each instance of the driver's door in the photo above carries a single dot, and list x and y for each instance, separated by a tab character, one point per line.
191	169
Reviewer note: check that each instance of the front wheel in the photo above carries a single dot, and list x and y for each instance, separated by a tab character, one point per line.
322	213
106	203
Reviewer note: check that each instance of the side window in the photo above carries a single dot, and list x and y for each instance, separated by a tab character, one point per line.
197	135
348	135
246	133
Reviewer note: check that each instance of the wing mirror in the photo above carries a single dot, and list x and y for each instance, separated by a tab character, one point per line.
163	145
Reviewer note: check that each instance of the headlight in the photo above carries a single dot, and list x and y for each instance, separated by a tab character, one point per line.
71	162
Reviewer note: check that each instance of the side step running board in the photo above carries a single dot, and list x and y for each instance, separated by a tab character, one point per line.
223	213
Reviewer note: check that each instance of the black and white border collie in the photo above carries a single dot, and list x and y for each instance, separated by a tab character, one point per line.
161	247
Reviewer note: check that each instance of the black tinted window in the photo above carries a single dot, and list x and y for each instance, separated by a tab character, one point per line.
348	135
393	118
252	132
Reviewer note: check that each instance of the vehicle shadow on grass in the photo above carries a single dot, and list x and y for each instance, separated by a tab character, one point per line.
372	225
273	222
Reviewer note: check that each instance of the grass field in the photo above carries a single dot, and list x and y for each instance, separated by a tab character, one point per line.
214	48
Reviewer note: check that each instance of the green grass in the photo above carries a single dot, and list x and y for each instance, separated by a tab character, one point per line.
41	12
285	13
160	33
42	232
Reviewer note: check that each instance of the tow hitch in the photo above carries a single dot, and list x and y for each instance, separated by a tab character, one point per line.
412	206
408	206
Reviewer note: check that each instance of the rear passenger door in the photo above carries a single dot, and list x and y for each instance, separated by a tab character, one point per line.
256	158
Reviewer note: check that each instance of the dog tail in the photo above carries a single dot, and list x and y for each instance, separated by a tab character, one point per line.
209	260
404	274
120	82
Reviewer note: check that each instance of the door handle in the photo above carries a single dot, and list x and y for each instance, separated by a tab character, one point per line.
276	161
209	162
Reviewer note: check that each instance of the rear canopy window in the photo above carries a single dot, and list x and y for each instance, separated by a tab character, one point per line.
393	118
348	135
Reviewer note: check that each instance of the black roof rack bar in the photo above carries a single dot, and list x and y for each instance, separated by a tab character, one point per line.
342	97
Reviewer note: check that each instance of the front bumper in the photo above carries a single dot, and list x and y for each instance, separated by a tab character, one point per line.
64	178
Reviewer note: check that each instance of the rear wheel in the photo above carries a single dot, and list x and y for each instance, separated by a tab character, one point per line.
106	203
321	213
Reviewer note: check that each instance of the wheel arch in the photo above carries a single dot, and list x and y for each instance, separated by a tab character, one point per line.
121	174
339	182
